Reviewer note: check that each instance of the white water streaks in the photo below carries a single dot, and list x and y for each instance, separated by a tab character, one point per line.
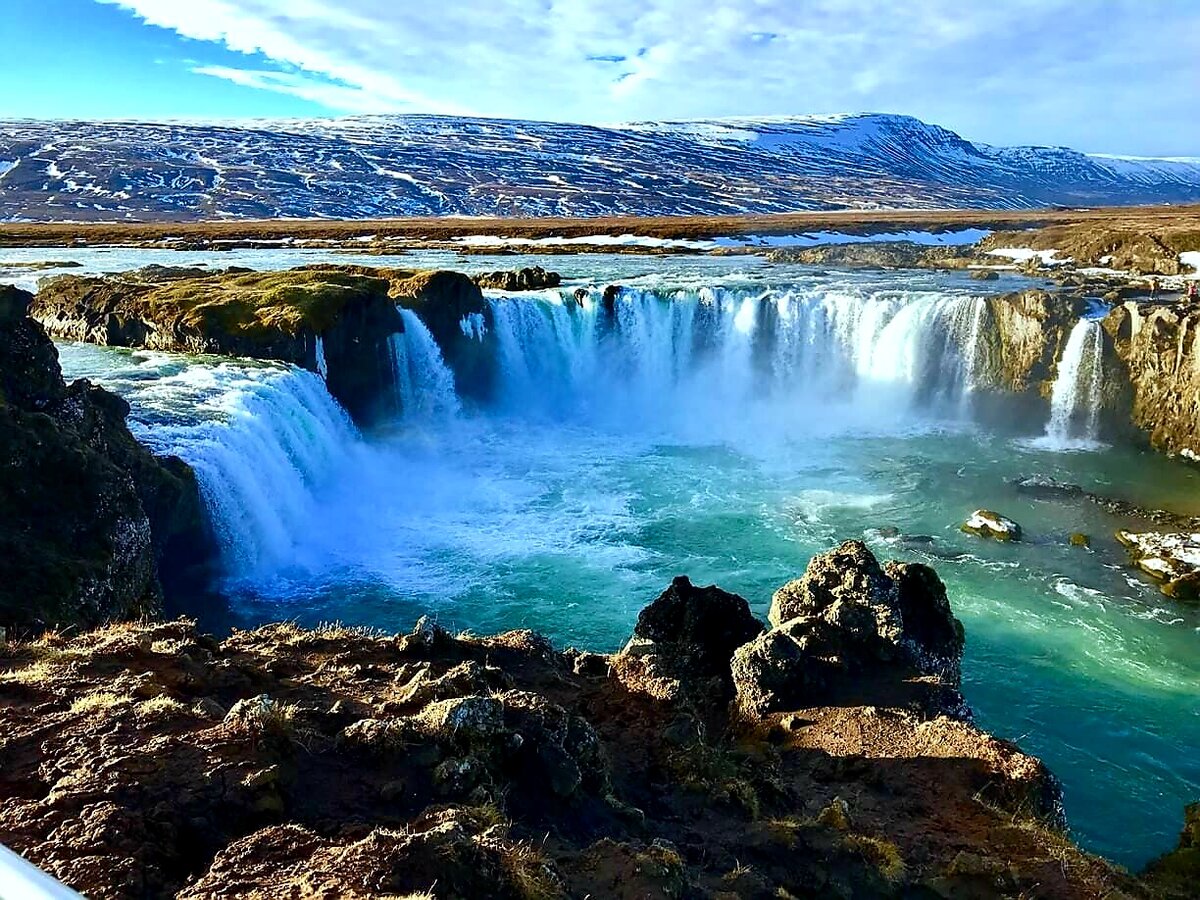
322	365
1076	397
262	439
714	355
424	384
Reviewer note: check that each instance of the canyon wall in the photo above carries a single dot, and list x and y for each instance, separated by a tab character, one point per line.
88	516
1157	344
326	320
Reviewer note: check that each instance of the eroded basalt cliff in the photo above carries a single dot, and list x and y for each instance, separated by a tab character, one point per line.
88	516
453	308
264	315
1157	344
149	760
336	320
1025	339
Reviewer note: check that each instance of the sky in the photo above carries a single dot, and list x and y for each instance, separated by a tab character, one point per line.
1111	76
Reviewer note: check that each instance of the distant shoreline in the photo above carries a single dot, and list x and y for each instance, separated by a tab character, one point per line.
423	230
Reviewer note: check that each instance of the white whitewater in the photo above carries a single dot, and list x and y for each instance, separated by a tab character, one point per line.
262	439
259	469
713	354
1075	398
424	383
322	365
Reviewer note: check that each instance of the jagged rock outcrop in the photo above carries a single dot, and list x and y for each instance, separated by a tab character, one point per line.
1147	249
846	621
150	760
1028	332
1172	559
530	278
87	515
684	640
879	255
316	317
1157	344
986	523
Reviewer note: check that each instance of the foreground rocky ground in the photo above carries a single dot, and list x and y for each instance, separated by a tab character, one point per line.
830	756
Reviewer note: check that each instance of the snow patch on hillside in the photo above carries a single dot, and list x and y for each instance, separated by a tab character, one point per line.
429	165
591	240
960	238
1024	254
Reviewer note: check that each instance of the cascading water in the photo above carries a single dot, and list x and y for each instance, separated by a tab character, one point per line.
322	364
1075	398
424	383
261	439
702	353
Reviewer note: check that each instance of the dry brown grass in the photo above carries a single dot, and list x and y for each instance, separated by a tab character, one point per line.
160	708
34	674
436	229
97	701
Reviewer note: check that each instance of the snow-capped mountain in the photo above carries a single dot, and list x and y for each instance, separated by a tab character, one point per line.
369	166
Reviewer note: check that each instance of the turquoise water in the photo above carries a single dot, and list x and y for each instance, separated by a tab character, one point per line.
569	504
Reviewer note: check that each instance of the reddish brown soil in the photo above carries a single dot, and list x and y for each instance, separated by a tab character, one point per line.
125	774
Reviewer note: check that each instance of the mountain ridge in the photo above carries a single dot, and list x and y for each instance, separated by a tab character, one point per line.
430	165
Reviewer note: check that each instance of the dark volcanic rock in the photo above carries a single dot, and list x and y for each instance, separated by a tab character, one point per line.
930	632
846	618
146	760
700	625
683	642
87	515
531	278
850	572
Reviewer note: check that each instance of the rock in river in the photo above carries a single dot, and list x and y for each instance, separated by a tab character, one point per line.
988	524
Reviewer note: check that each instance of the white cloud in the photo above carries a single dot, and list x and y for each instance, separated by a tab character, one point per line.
334	96
1032	70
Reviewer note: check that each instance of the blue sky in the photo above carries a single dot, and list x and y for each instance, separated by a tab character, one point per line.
1117	76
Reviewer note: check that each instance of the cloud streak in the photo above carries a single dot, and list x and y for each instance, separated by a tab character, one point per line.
1110	75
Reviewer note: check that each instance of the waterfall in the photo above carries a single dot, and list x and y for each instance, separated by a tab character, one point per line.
711	352
322	365
1075	398
262	439
281	438
424	383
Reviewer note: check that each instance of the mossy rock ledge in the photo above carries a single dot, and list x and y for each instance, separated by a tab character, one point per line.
263	315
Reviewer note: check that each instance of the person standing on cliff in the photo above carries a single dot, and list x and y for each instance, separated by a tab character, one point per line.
1154	288
1191	292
